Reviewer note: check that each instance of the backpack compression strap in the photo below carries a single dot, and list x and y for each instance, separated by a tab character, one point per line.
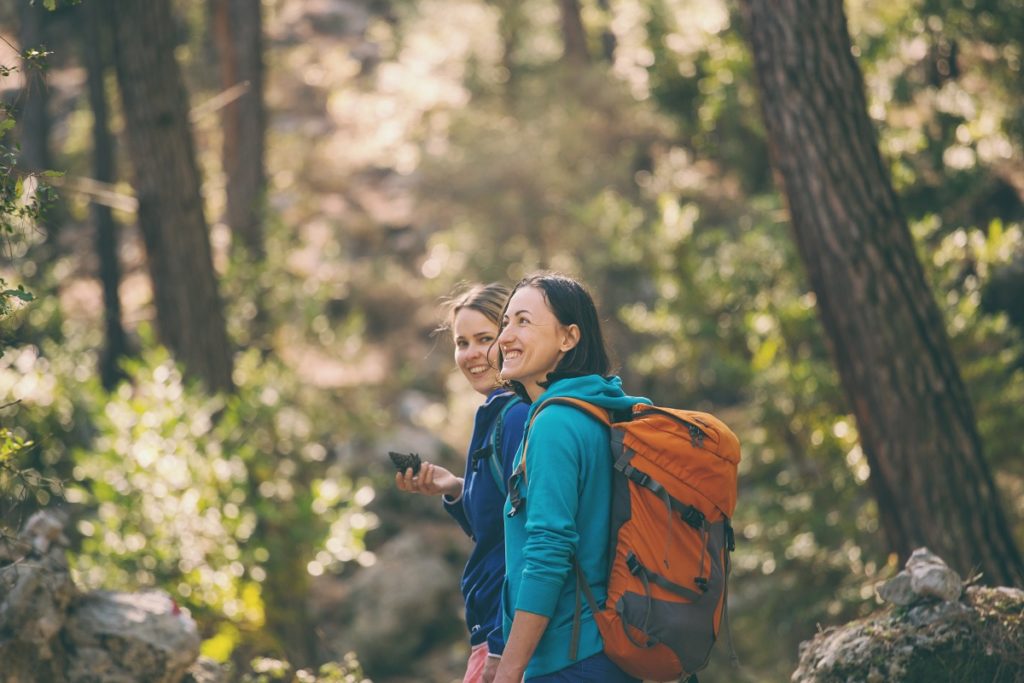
494	459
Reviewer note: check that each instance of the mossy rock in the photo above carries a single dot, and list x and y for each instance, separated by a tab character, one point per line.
978	639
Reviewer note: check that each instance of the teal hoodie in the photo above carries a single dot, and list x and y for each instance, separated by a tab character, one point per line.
566	513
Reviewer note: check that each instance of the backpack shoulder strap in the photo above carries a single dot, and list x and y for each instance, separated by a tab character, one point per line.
589	408
494	459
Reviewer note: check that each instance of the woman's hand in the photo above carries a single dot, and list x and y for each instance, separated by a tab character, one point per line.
432	480
490	669
527	629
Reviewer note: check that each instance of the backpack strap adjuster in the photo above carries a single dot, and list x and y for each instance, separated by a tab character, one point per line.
633	564
693	517
636	475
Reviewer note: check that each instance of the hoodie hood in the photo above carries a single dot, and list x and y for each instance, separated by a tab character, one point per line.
605	392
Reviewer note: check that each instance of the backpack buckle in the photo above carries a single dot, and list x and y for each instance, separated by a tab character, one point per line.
694	517
730	537
633	564
636	475
702	583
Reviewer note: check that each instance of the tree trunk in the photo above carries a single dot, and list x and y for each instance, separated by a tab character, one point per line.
574	35
886	333
96	48
34	118
608	42
34	121
511	23
188	307
237	29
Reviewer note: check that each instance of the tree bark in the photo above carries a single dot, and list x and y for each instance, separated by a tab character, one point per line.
237	29
189	315
511	22
34	118
608	42
574	35
886	332
96	49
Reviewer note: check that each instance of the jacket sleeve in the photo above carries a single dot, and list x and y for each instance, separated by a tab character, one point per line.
558	442
457	510
496	639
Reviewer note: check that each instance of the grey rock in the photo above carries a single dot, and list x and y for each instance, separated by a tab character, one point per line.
130	637
930	612
925	576
35	592
387	609
44	529
897	590
205	670
931	577
977	637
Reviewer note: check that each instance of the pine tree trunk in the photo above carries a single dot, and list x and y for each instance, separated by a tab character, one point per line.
96	49
511	23
887	335
608	42
238	35
574	35
34	118
166	179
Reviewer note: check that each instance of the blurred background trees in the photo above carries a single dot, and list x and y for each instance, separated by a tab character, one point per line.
291	260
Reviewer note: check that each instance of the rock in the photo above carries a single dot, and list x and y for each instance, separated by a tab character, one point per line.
925	576
978	639
205	670
130	637
931	577
390	610
35	592
51	633
897	590
43	529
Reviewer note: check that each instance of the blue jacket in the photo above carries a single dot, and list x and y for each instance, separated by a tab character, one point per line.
478	512
566	513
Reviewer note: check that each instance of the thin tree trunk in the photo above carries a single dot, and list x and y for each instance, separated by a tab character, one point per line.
886	333
34	119
166	179
608	42
511	22
574	35
34	122
237	29
96	48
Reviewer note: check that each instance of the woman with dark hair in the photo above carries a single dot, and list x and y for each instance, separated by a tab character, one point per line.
476	500
551	346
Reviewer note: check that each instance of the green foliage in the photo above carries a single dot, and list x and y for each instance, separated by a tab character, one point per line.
193	494
17	482
266	670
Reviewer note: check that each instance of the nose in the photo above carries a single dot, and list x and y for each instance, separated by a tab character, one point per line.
505	335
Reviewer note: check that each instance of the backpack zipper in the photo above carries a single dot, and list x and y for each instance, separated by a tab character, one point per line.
697	434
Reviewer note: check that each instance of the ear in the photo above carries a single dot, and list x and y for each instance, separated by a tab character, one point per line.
570	338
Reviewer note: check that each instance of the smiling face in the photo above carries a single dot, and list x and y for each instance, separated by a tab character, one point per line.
475	351
533	341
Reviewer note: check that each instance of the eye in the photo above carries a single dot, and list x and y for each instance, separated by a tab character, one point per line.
486	339
504	324
461	344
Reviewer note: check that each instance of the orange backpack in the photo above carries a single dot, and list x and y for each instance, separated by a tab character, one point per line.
674	493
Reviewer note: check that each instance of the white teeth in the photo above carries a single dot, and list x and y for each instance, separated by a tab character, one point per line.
479	370
509	355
